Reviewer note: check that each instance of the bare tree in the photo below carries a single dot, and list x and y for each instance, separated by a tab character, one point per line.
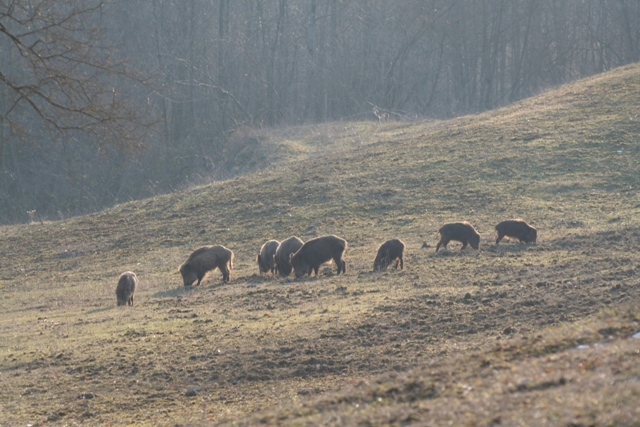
64	96
59	75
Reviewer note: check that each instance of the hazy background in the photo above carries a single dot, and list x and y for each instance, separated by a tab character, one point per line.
107	101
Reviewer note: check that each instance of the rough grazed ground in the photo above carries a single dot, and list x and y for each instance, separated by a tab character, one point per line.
507	335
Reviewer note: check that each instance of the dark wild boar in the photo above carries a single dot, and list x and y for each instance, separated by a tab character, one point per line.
283	254
267	257
126	287
517	229
462	232
205	259
316	252
389	251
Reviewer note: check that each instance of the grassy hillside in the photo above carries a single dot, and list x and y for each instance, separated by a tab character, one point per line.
511	334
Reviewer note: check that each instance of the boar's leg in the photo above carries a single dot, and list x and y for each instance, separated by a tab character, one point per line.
443	242
225	274
387	261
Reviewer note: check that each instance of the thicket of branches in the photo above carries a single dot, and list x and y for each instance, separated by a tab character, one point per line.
67	90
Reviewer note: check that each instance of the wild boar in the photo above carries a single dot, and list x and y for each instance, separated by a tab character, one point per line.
316	252
283	255
389	251
267	257
205	259
126	287
462	232
517	229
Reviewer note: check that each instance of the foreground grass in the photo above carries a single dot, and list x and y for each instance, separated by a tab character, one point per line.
580	374
485	337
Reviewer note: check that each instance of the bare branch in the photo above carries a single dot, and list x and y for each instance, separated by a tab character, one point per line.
60	76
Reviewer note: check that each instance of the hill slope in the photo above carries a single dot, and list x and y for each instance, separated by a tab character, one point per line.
566	161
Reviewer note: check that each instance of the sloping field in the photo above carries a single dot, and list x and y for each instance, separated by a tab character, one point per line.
511	334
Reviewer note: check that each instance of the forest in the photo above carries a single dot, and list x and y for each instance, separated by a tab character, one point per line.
106	101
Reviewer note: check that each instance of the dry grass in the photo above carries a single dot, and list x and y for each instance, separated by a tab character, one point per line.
482	337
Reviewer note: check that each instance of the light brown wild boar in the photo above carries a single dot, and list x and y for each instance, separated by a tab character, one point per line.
283	254
267	257
462	232
389	251
205	259
316	252
126	287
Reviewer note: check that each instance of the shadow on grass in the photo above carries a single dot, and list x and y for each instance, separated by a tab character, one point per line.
512	247
256	278
456	252
174	292
217	285
185	290
100	310
501	249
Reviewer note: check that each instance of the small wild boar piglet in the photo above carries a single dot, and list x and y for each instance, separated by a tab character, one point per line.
517	229
126	287
205	259
462	232
389	251
316	252
267	257
283	254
